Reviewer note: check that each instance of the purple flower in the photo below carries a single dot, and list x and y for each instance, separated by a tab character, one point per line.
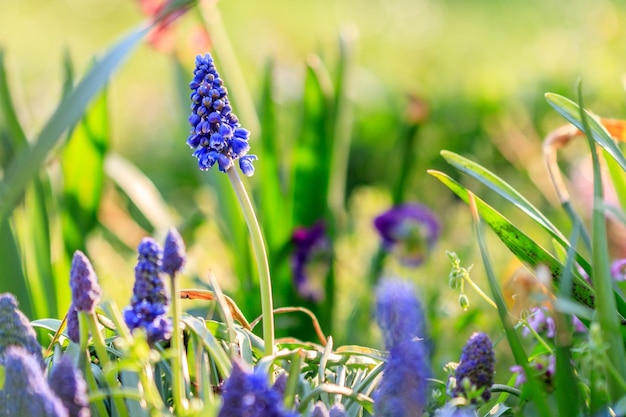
73	327
248	394
410	231
452	410
173	253
26	392
150	300
540	322
618	270
320	410
477	365
545	367
84	283
15	329
68	384
310	260
216	134
403	390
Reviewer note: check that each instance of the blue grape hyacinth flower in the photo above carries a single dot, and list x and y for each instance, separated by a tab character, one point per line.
150	301
216	134
403	390
408	230
173	253
26	392
248	394
477	365
15	329
84	284
69	385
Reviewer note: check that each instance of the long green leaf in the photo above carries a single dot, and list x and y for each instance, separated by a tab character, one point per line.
12	276
17	138
536	393
82	165
503	189
598	133
312	154
602	280
519	243
29	160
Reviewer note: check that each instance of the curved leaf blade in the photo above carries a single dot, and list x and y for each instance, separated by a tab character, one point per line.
28	161
571	111
519	243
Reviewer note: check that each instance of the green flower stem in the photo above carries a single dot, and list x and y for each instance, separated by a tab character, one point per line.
85	364
258	246
480	292
92	386
146	378
105	362
178	389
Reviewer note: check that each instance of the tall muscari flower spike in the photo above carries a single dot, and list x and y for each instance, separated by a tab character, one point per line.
216	134
410	230
84	284
403	390
173	253
476	365
150	300
26	392
68	384
249	394
15	329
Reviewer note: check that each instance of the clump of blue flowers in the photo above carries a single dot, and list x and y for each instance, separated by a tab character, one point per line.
69	385
249	394
476	368
26	392
216	134
403	390
150	301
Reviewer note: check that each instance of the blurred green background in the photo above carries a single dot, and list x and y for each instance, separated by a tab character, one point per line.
481	67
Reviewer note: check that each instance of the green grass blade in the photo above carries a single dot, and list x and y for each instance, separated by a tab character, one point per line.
503	189
573	113
520	244
602	281
343	119
313	152
536	393
197	326
17	138
568	394
269	192
13	278
28	161
618	177
82	165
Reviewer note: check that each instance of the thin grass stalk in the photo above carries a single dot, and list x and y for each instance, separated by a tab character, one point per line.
209	15
536	392
265	282
178	387
568	395
105	362
605	299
